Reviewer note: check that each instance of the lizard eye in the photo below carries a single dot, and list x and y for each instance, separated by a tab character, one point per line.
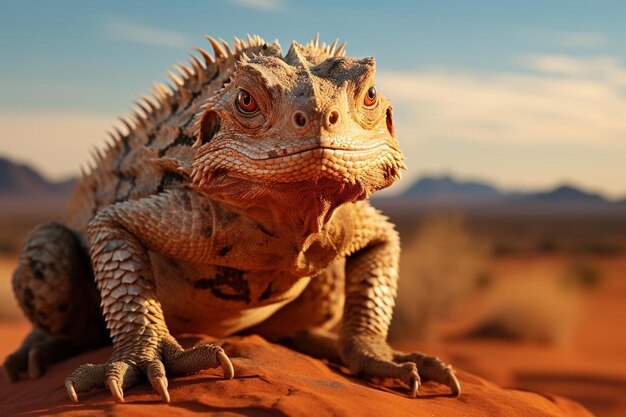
370	97
246	104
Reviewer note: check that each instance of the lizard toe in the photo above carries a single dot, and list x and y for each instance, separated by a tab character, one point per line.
121	375
155	371
183	362
14	364
432	368
85	378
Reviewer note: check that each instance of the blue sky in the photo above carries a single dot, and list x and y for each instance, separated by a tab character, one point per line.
524	94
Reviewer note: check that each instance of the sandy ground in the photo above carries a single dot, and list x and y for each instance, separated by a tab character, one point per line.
274	381
590	368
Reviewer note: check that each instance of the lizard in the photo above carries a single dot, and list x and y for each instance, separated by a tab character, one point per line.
235	199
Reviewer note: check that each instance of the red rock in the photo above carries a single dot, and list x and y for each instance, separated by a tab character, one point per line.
273	380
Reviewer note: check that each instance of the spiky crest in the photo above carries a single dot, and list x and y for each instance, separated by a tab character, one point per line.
150	110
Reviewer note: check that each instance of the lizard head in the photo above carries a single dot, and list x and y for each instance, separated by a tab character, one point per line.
310	122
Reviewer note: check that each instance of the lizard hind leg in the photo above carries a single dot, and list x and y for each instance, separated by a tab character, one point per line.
54	287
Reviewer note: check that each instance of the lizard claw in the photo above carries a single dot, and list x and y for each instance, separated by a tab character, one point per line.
373	357
414	385
133	363
455	386
71	391
115	389
160	386
227	366
431	368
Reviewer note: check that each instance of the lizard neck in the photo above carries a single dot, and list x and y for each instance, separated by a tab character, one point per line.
298	211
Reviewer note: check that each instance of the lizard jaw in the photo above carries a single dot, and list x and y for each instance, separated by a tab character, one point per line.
344	165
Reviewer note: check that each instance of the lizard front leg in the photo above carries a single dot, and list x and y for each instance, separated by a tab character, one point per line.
371	283
119	238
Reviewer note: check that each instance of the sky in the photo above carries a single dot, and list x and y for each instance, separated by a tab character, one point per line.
525	95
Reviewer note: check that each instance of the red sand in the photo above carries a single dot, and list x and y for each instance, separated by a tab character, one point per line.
590	369
272	380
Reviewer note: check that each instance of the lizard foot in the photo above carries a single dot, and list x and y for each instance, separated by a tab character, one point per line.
372	356
38	350
139	360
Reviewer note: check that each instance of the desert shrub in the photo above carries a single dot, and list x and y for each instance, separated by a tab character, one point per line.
440	265
8	304
535	307
582	274
8	247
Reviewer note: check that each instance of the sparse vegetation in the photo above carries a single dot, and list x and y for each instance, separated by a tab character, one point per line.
582	274
441	265
8	305
8	246
533	307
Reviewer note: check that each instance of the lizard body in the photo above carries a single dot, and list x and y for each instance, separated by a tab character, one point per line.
235	201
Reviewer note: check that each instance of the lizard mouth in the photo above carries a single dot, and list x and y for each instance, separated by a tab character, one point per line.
326	151
315	150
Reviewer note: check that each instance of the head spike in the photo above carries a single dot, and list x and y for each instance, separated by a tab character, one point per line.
112	136
250	40
277	44
208	59
84	171
198	68
129	127
331	50
187	72
195	62
139	119
174	78
144	108
153	107
239	44
316	40
341	50
160	89
118	132
244	57
96	155
157	98
217	48
229	51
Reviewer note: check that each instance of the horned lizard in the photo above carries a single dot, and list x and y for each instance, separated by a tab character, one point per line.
235	200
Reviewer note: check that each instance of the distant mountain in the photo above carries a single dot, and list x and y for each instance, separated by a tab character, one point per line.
23	181
568	193
448	191
446	188
24	193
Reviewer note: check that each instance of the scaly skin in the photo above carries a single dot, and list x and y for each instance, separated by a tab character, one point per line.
235	202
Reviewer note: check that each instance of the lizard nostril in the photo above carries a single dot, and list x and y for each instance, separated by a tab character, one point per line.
299	119
333	117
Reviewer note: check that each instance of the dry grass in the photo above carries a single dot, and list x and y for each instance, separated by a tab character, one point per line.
440	266
8	306
533	306
445	277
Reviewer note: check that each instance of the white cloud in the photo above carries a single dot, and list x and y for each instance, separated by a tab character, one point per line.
57	143
580	39
124	29
605	69
271	5
564	123
583	107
